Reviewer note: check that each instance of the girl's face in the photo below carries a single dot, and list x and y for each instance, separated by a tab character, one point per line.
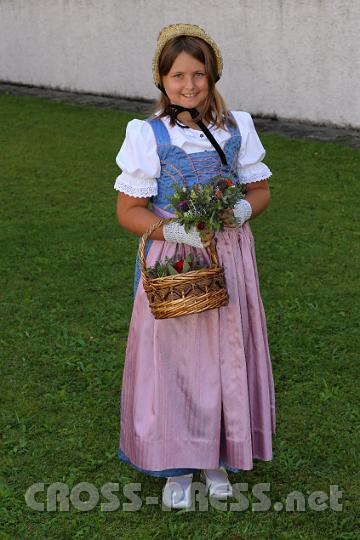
186	84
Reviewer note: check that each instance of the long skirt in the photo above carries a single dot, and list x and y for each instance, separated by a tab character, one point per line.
198	390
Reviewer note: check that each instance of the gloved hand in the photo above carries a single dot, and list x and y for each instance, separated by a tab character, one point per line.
174	232
242	212
236	217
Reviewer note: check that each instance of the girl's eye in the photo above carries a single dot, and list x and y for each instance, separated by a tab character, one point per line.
177	75
199	74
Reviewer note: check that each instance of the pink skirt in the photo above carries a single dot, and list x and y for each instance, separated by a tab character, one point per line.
199	389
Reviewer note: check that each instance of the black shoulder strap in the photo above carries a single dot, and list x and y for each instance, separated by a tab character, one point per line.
194	113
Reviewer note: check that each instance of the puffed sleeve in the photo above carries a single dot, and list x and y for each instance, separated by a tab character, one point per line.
139	161
250	165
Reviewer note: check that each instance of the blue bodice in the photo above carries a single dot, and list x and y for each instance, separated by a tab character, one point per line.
187	169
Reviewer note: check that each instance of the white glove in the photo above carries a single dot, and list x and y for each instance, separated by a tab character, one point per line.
174	232
242	212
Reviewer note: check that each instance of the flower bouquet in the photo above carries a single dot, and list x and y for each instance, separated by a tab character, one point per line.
203	205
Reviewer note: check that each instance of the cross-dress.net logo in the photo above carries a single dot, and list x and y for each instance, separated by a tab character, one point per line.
113	496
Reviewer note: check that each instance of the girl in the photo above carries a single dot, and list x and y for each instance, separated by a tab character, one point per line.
197	390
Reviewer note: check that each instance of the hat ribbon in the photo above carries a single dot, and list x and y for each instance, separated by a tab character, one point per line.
177	109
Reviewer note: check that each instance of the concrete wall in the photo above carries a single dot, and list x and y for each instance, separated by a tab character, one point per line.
296	59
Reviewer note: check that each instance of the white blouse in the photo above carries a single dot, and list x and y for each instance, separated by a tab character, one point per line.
139	161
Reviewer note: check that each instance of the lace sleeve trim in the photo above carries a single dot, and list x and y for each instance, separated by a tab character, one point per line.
137	187
255	173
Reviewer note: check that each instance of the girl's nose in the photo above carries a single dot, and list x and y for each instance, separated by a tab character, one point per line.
189	83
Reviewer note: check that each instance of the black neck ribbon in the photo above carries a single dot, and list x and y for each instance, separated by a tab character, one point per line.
177	109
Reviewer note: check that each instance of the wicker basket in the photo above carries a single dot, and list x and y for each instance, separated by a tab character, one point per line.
182	294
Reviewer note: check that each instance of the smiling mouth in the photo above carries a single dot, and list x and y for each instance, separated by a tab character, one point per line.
189	95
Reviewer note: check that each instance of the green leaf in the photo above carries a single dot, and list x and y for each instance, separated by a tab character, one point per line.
171	270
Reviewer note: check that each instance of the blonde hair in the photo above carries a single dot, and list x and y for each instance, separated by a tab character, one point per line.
214	109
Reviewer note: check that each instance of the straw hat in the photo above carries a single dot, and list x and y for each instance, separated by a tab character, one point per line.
175	30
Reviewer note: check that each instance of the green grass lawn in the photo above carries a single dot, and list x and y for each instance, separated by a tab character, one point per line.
66	297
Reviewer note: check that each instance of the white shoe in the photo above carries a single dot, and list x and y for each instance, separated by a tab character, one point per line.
217	483
177	491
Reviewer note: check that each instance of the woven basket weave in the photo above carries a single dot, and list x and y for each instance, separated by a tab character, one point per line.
182	294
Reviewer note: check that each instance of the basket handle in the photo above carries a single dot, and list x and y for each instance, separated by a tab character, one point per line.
211	249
